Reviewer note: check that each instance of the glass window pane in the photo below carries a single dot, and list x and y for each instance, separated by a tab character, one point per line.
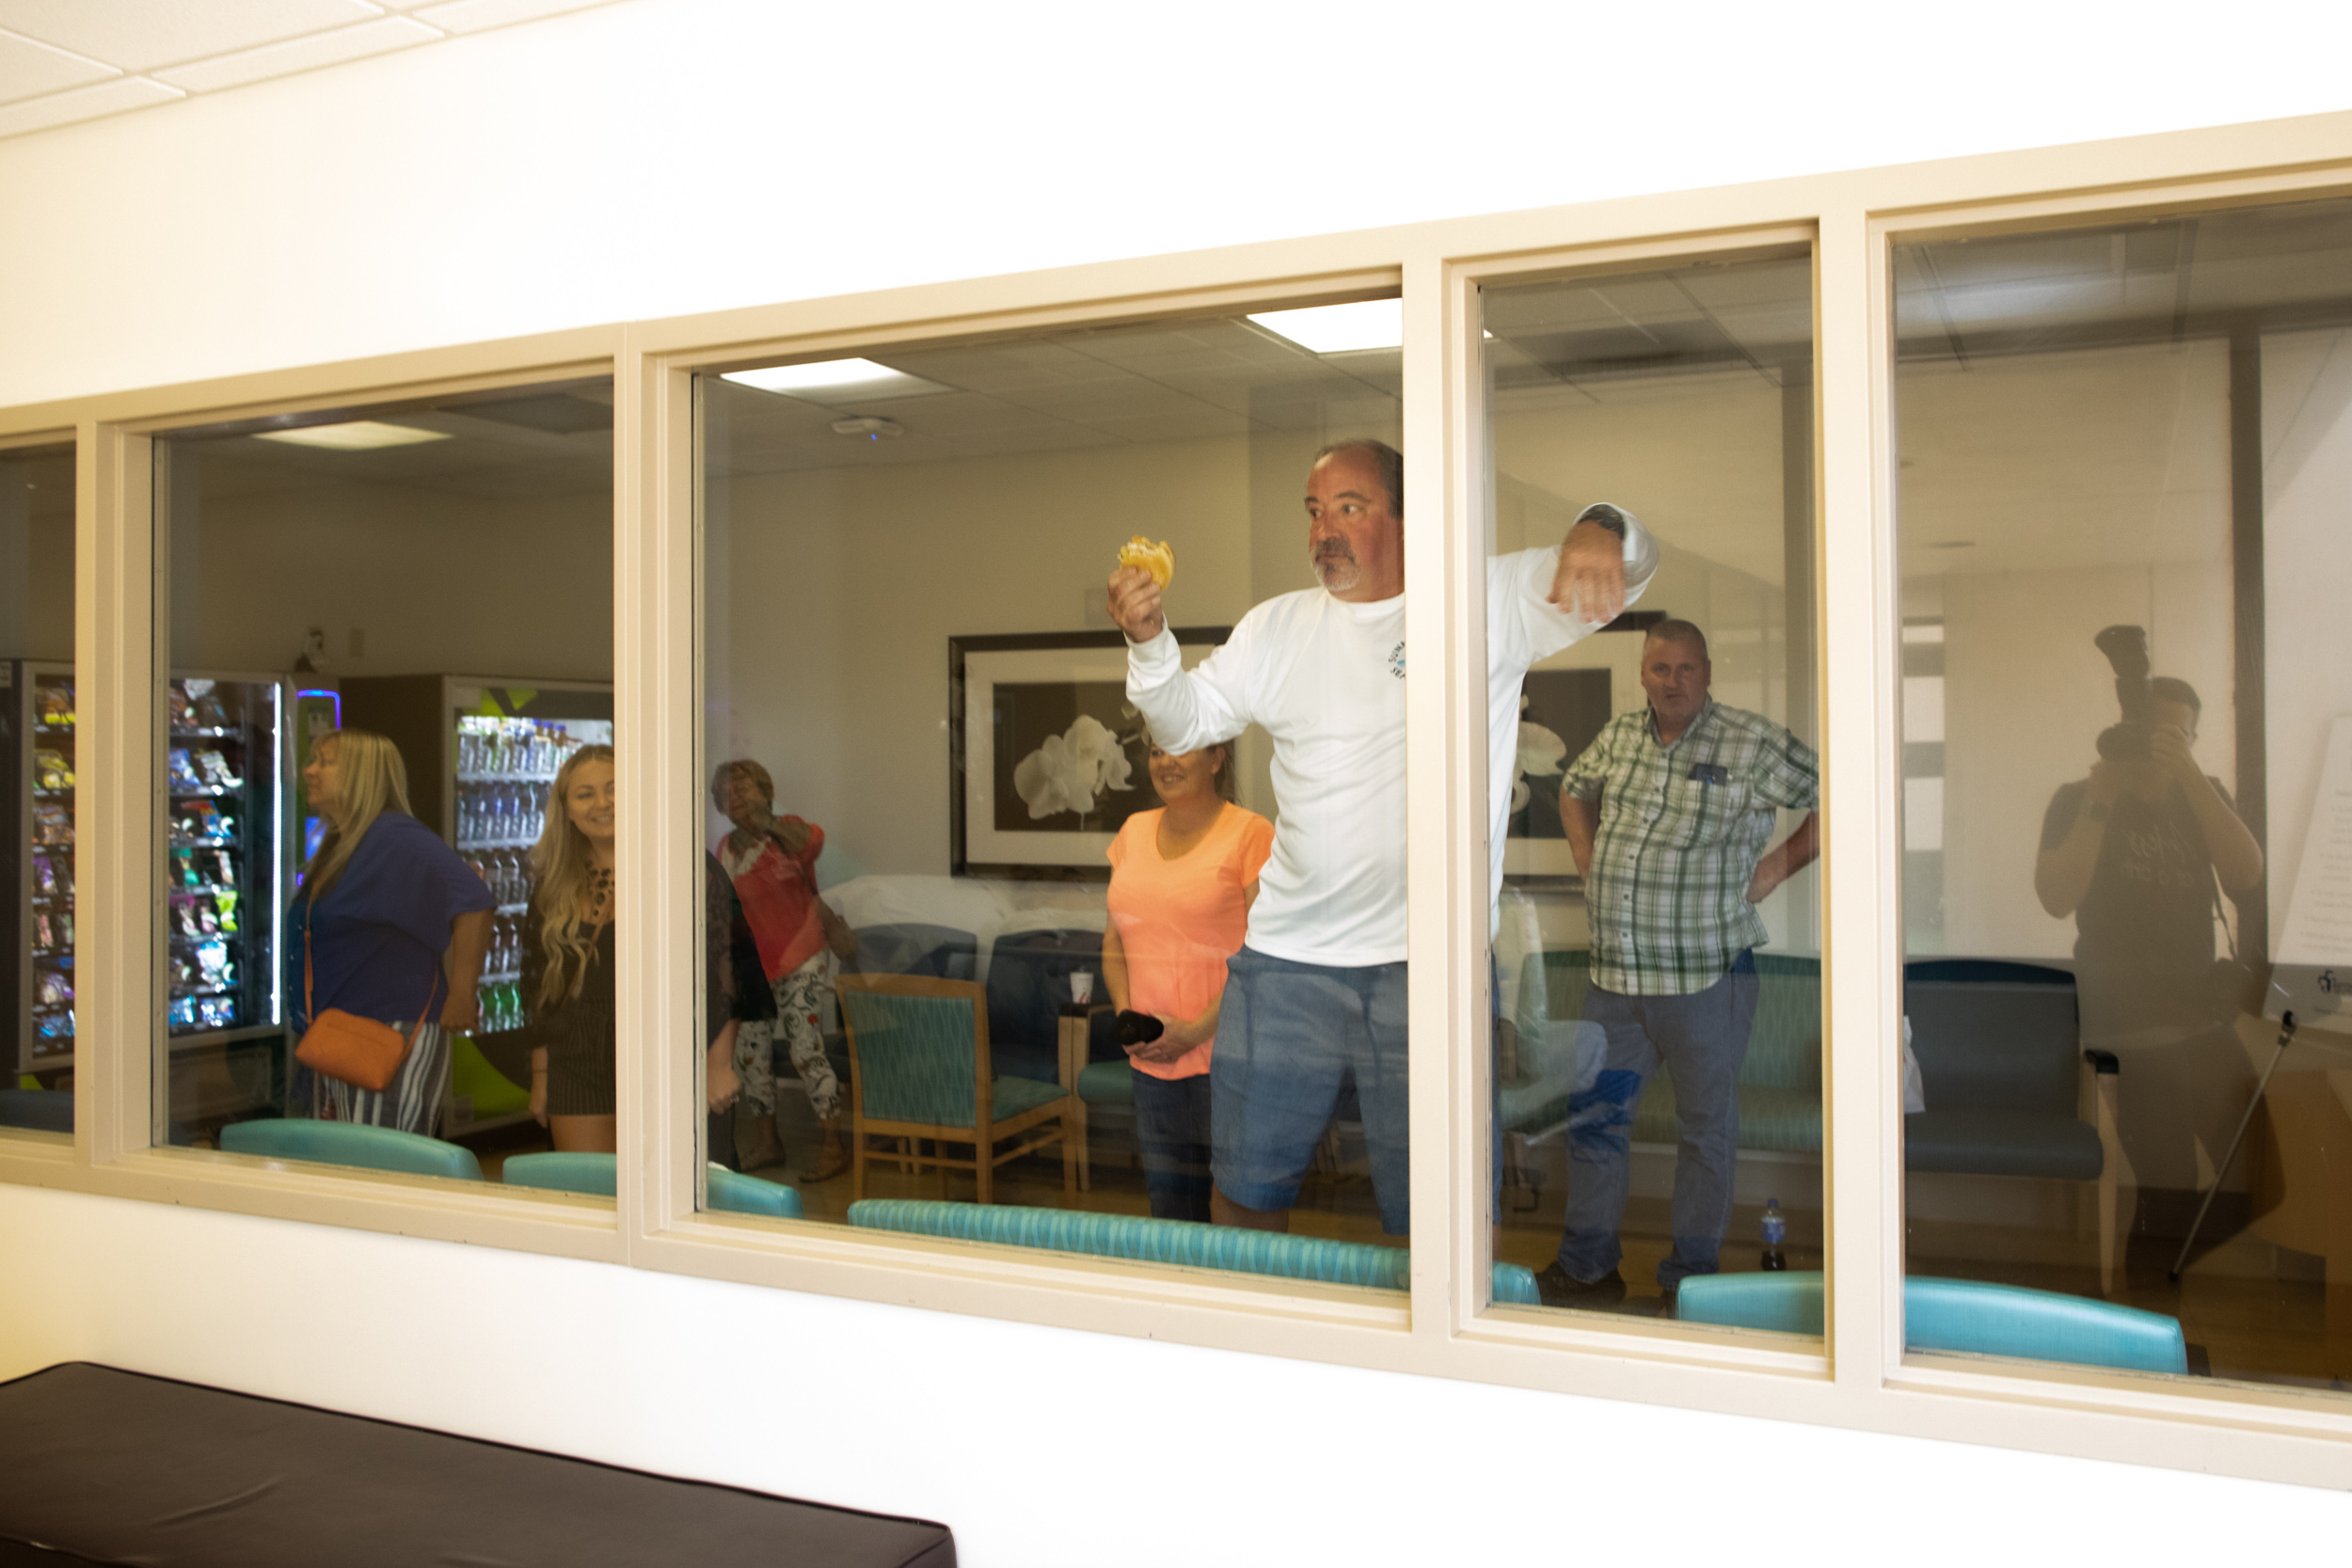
390	629
1657	955
941	822
2125	452
37	759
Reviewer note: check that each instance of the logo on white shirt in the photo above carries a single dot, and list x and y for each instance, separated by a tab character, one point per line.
1396	659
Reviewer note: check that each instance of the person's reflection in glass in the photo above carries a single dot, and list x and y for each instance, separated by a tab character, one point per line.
567	961
2133	851
1183	879
381	901
773	862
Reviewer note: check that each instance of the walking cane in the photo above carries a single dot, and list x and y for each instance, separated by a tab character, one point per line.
2286	1034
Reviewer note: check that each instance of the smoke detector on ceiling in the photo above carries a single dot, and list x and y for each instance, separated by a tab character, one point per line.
868	427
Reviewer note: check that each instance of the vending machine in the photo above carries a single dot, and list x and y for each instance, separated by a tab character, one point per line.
37	733
229	779
482	752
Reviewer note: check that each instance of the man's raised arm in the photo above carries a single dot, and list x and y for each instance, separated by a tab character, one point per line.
1187	709
1605	562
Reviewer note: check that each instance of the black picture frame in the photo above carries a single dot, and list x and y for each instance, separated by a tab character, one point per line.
1022	687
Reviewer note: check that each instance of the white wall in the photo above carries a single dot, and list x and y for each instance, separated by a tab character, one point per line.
656	157
437	583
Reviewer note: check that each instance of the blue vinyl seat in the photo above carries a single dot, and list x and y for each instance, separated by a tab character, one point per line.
597	1176
37	1110
1963	1315
912	948
1185	1244
1028	980
346	1143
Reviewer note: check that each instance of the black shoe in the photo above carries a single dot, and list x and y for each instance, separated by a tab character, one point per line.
1557	1287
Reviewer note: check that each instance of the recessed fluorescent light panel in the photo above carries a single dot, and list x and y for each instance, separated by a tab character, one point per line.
837	383
357	435
1369	323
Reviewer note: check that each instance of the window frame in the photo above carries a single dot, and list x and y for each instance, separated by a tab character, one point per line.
1860	1378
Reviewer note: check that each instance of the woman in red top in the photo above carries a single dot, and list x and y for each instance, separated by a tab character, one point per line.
1183	879
773	862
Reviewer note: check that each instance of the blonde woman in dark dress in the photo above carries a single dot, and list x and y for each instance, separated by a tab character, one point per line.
568	958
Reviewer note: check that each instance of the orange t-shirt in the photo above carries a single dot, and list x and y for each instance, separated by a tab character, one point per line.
1178	920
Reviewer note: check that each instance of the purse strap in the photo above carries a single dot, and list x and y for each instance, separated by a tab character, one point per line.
310	1013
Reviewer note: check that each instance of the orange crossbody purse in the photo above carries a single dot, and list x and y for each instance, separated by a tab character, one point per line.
358	1051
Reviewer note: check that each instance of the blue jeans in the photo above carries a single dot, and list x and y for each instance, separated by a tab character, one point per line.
1290	1037
1173	1127
1702	1038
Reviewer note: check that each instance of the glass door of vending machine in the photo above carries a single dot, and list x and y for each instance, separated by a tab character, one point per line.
43	720
227	773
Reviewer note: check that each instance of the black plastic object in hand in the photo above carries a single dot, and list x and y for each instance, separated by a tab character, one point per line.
1137	1028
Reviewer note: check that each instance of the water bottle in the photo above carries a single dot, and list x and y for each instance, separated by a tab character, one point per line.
1775	1232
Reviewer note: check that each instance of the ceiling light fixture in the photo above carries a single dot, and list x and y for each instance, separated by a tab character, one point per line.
834	382
355	435
1368	323
868	427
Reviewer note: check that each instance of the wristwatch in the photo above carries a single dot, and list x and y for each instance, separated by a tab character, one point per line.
1606	516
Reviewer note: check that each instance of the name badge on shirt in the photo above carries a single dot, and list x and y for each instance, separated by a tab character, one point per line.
1711	772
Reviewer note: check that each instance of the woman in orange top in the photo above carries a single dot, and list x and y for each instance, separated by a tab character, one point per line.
1183	879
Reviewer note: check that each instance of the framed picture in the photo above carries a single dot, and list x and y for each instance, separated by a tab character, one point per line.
1046	756
1563	704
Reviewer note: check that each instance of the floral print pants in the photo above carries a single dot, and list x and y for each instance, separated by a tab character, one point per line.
799	1013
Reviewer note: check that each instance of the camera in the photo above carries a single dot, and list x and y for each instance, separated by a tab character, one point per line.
2126	650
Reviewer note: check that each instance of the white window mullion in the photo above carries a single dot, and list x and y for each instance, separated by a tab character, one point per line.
1861	820
118	646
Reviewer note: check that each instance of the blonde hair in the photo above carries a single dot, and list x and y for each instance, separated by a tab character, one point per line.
560	867
372	780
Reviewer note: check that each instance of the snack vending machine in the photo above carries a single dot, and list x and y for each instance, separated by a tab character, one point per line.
482	753
39	930
227	776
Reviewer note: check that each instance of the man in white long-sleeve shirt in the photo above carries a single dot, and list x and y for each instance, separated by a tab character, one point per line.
1315	998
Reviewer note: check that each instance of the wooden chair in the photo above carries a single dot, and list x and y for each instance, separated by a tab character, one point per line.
919	1069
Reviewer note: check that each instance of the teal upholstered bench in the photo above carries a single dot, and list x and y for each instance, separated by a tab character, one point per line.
1963	1315
595	1176
1181	1243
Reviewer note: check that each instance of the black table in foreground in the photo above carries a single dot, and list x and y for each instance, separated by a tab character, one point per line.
108	1467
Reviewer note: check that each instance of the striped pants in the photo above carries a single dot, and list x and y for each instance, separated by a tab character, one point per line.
411	1103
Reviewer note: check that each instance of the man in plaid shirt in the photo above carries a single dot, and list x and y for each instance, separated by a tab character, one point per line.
1668	814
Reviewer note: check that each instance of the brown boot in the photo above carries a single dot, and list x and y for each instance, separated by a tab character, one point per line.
832	1156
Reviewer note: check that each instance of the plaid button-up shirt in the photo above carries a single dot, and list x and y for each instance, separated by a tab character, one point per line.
1682	829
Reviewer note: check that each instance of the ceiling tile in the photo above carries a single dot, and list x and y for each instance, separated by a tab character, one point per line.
29	68
90	103
140	35
474	16
379	36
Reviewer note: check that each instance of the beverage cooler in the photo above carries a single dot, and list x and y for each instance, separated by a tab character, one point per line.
37	796
482	752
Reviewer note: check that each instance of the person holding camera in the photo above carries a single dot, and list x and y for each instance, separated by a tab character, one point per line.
2133	852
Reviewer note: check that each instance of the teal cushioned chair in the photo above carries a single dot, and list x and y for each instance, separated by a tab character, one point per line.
1962	1315
920	1068
346	1143
1181	1243
595	1176
1780	1082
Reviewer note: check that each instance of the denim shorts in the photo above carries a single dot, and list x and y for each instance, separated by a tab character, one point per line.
1289	1038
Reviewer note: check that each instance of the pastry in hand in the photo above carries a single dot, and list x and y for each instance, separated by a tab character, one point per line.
1158	560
